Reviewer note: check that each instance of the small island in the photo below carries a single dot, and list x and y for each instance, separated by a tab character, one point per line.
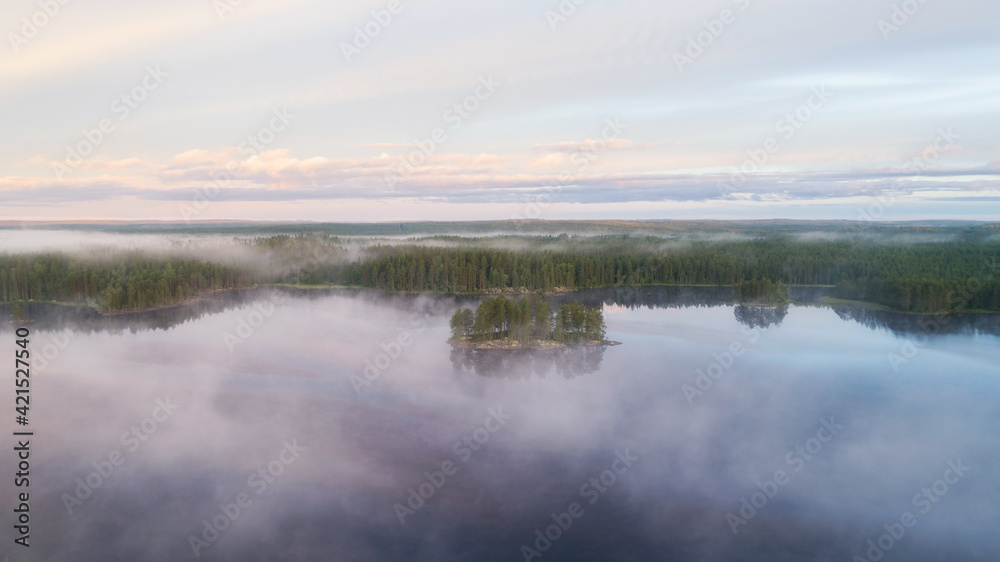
762	292
527	322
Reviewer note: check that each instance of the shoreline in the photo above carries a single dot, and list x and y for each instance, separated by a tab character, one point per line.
827	301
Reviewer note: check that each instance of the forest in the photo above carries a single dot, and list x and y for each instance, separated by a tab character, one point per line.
922	295
908	277
125	282
527	319
957	274
471	270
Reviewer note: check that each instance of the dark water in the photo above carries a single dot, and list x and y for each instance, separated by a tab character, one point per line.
692	416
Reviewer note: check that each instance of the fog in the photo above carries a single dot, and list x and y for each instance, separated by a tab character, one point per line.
255	252
266	369
880	237
246	252
18	241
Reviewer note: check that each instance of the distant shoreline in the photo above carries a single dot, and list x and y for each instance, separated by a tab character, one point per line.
824	301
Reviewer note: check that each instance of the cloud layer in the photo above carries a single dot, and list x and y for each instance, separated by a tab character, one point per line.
119	109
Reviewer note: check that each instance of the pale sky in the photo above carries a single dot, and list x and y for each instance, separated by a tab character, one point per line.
540	109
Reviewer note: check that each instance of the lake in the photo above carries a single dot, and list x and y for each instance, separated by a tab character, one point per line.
341	425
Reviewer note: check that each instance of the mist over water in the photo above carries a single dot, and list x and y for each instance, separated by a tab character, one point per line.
277	381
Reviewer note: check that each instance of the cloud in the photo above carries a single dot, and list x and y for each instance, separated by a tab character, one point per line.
356	122
277	175
589	145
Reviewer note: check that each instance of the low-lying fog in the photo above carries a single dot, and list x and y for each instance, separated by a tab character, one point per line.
327	409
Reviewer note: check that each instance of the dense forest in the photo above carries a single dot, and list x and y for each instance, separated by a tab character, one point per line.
462	270
922	295
957	274
910	277
127	282
527	319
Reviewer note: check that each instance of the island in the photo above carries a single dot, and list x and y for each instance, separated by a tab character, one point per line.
527	322
762	292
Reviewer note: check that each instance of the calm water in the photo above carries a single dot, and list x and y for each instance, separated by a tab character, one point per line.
271	409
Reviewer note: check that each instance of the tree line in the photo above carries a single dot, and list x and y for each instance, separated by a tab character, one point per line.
921	295
125	282
912	277
919	277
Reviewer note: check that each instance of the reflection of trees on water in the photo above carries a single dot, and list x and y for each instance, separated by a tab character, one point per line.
651	297
47	316
57	317
903	323
756	316
669	296
568	362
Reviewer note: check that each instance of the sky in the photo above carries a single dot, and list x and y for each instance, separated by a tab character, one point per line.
446	110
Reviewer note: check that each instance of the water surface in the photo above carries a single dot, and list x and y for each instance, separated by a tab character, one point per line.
704	400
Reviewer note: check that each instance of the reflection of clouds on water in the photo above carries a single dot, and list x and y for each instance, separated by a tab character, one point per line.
614	301
291	380
568	362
